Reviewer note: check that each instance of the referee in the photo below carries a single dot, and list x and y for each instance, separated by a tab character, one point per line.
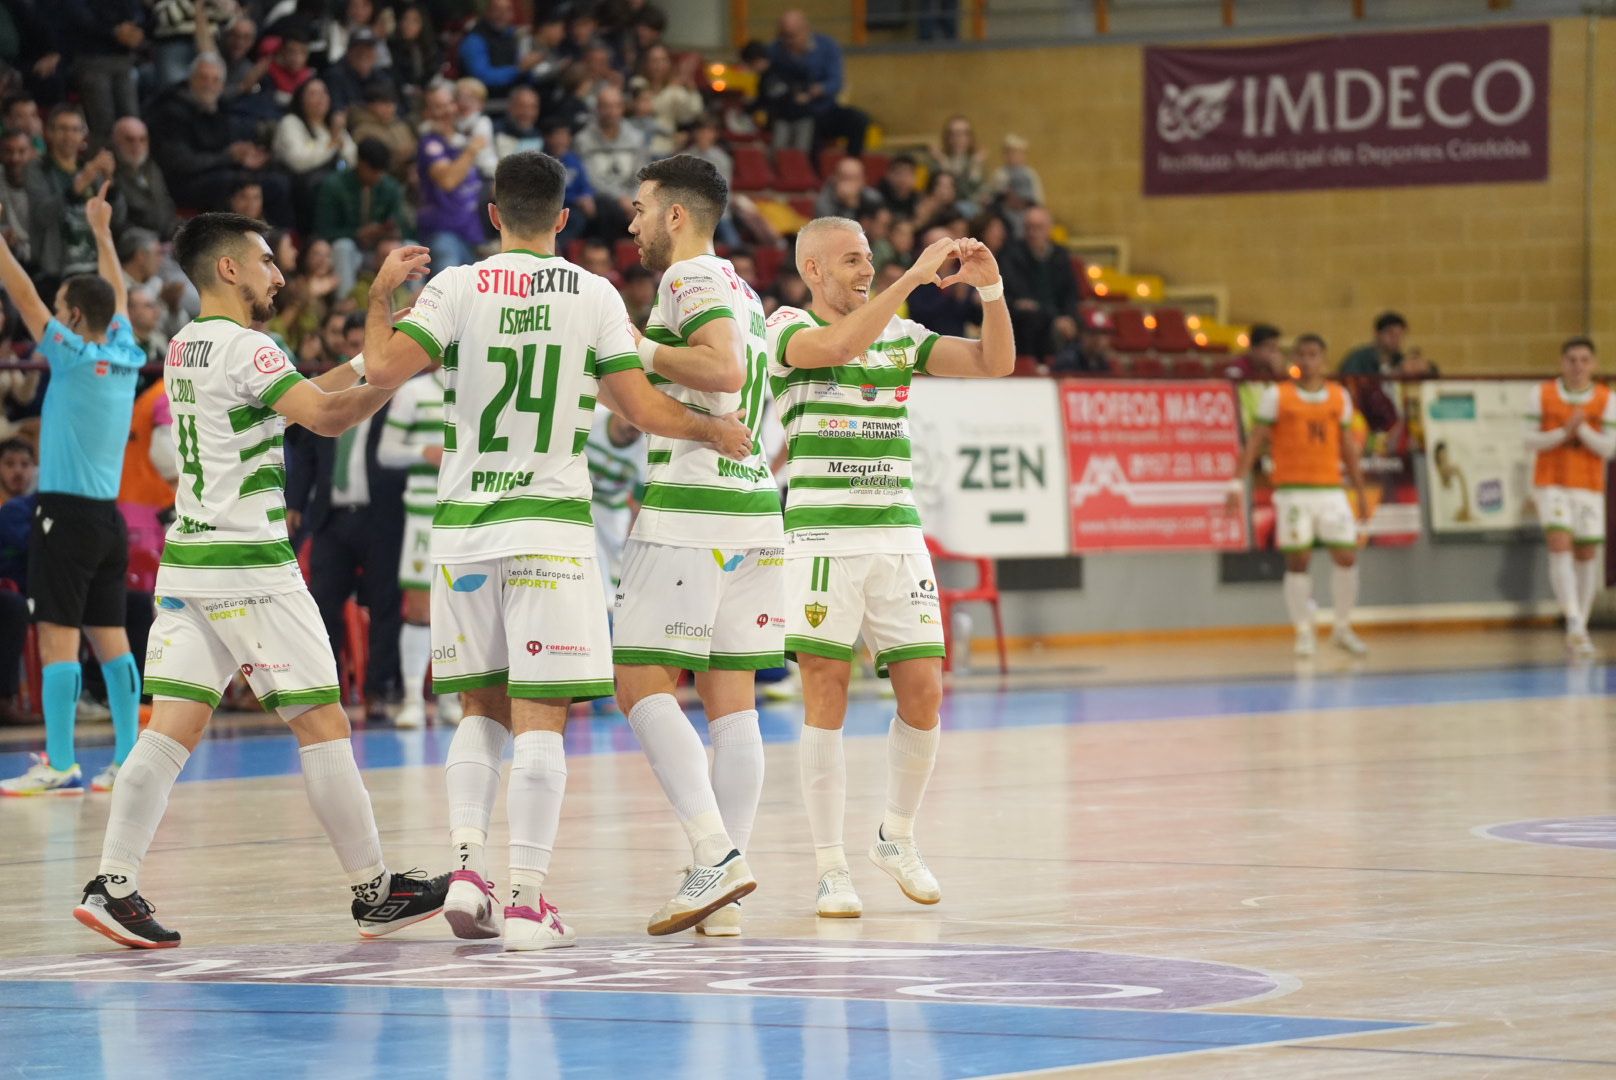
78	551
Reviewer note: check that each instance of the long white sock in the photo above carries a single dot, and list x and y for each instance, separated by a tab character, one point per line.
338	797
679	760
1298	589
414	657
911	755
1343	593
737	772
138	800
471	773
1563	580
824	790
538	782
1590	576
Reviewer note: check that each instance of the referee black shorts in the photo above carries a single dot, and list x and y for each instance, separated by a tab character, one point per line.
78	562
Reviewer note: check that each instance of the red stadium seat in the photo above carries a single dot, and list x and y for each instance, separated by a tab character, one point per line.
625	254
985	591
768	260
1085	284
752	172
875	167
794	172
828	158
1129	332
1173	331
1187	367
803	205
1148	367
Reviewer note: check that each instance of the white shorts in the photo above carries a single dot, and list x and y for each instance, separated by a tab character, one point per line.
892	598
701	609
1574	510
415	560
278	642
533	624
1308	516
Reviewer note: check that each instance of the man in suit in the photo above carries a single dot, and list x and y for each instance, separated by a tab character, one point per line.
352	509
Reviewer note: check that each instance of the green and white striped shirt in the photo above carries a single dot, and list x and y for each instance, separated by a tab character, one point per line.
694	496
851	488
229	531
414	422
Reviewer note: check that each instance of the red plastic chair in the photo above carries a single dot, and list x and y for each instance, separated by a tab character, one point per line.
1148	367
1129	333
752	172
768	260
875	168
793	171
828	159
625	256
986	591
1173	332
803	205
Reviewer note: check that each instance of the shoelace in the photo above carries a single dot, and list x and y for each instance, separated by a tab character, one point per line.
835	879
549	912
910	862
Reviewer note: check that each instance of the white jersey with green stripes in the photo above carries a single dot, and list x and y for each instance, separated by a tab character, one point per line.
523	338
416	414
694	496
229	531
850	489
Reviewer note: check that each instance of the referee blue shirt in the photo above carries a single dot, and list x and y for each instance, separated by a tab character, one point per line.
84	425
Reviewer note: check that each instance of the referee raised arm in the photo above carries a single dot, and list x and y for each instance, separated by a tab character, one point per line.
78	551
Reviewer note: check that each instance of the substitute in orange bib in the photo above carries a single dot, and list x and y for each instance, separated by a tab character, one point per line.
1576	433
1306	422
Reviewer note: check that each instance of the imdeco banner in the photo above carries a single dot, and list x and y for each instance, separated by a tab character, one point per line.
1370	110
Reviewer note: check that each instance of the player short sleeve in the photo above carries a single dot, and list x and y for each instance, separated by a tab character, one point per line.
614	338
122	344
1608	417
267	374
782	326
924	340
693	294
1268	405
434	320
1536	413
1346	409
60	346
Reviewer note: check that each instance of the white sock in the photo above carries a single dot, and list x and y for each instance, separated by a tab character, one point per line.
414	657
737	772
911	754
679	760
471	773
824	790
538	782
338	797
1563	580
138	800
1590	577
1343	594
1299	598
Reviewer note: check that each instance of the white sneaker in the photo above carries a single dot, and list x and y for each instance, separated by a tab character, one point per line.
92	711
105	779
1346	640
725	922
411	715
1307	641
469	906
1581	645
527	930
837	900
41	779
706	889
901	859
449	710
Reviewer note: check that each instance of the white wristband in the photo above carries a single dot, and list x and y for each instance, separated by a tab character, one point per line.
648	354
358	364
990	293
1237	485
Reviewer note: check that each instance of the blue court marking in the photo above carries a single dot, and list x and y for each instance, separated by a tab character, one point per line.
244	757
229	1029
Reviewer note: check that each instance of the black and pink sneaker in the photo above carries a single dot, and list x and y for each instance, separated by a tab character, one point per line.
126	920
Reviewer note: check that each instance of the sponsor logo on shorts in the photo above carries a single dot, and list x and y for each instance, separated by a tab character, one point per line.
902	394
809	536
815	613
762	621
464	583
170	603
230	609
261	666
154	654
683	631
926	619
534	648
728	565
775	561
927	585
445	654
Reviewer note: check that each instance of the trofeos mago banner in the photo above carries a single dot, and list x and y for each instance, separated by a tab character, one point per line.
1364	110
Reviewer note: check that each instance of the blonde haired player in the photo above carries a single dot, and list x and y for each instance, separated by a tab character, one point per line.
1307	422
855	555
1576	420
529	341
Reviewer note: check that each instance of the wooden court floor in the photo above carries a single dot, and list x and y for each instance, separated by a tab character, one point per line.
1186	860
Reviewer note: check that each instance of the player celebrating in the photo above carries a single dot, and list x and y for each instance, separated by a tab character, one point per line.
1307	423
413	440
855	554
528	341
1576	434
702	570
231	596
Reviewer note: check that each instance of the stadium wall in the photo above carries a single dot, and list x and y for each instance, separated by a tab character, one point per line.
1491	276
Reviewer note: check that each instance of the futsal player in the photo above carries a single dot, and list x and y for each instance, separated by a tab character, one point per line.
1576	434
1307	424
701	589
856	558
528	341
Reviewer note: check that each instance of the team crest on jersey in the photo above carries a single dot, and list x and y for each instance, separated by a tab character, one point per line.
869	391
902	394
102	367
816	613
